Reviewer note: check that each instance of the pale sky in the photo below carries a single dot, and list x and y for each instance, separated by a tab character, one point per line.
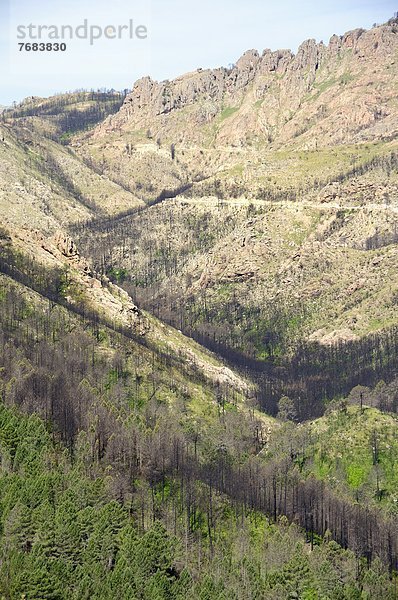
182	36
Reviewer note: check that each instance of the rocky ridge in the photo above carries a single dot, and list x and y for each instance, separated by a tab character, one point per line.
316	88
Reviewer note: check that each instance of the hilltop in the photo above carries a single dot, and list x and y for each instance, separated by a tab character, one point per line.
225	122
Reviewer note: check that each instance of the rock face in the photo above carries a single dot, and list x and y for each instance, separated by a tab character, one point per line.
331	90
66	245
105	298
151	97
68	249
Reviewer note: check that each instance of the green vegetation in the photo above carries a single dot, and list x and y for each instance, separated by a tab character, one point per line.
228	111
325	85
64	536
357	452
346	78
117	275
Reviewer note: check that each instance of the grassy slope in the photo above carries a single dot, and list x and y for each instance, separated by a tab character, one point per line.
354	452
357	450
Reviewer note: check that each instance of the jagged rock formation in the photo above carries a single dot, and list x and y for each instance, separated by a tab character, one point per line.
65	244
330	94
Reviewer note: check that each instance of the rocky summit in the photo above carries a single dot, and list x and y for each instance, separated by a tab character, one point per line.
342	92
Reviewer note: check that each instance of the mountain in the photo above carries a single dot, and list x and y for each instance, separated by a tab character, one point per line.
272	219
260	247
229	122
199	335
324	95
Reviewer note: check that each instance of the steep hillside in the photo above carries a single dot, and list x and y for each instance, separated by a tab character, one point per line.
329	259
45	186
223	121
176	266
53	268
60	116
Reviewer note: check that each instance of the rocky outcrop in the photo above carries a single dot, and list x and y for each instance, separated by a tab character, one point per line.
275	62
65	245
308	57
148	96
103	297
350	39
335	45
67	248
323	94
244	71
161	98
334	337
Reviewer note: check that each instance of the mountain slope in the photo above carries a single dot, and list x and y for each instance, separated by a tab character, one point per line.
46	187
253	209
342	93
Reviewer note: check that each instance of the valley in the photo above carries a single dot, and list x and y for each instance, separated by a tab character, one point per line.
199	332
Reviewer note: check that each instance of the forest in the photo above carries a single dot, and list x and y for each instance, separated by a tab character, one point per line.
104	457
64	535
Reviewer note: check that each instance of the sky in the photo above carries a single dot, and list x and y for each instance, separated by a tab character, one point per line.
180	36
